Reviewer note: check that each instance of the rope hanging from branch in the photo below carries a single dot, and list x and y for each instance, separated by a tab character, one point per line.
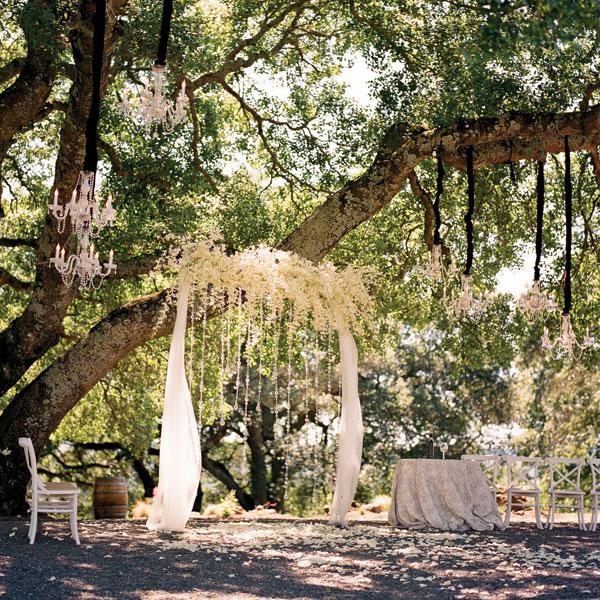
568	227
165	30
438	194
470	210
540	186
90	162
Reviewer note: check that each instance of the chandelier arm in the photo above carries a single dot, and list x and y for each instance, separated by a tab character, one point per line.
470	210
438	194
568	228
540	189
165	30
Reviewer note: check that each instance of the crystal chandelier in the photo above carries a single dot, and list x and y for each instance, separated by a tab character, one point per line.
534	303
466	304
154	107
83	209
85	265
86	216
566	344
435	268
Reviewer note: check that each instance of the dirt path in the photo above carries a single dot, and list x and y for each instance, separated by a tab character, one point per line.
296	559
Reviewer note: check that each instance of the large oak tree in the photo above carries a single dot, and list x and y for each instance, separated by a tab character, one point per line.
511	81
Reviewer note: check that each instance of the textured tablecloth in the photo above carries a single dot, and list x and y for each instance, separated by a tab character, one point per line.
452	495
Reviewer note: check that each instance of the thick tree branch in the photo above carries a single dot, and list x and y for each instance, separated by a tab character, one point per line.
246	52
402	151
7	278
17	242
121	171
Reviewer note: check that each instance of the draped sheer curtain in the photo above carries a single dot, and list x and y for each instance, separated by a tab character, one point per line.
180	458
180	453
351	431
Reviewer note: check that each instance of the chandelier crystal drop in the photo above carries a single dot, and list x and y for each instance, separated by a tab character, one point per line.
466	304
154	108
566	344
534	303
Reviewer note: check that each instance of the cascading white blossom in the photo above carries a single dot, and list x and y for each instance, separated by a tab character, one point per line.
277	294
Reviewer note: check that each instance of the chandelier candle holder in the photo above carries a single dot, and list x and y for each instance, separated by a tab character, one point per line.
466	304
154	108
87	217
534	303
566	344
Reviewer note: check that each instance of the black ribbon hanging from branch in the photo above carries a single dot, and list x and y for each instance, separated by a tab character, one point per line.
165	30
438	194
90	162
568	227
470	210
540	186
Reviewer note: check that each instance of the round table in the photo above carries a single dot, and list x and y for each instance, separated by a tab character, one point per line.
452	495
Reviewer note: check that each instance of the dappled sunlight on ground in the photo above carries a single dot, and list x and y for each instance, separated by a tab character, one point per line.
292	558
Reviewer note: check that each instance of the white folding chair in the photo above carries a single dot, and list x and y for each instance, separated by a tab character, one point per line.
565	484
49	497
489	465
523	472
595	491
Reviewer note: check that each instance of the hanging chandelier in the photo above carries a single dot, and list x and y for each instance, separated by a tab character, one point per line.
154	108
466	304
534	303
86	215
436	270
566	344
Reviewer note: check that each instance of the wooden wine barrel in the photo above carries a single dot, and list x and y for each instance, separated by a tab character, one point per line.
110	498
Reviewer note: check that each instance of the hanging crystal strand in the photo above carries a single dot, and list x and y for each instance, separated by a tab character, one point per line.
228	346
288	410
276	368
202	364
246	391
222	369
259	348
317	443
329	358
239	349
306	383
191	359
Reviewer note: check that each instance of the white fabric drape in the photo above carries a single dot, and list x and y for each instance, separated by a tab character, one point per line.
180	458
351	432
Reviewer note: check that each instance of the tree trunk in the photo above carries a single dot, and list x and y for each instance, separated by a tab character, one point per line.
258	464
39	327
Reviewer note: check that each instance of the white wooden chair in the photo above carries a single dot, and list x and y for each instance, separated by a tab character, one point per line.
565	484
489	464
595	491
49	497
523	472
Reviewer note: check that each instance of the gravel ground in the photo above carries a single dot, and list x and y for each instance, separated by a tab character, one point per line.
296	559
